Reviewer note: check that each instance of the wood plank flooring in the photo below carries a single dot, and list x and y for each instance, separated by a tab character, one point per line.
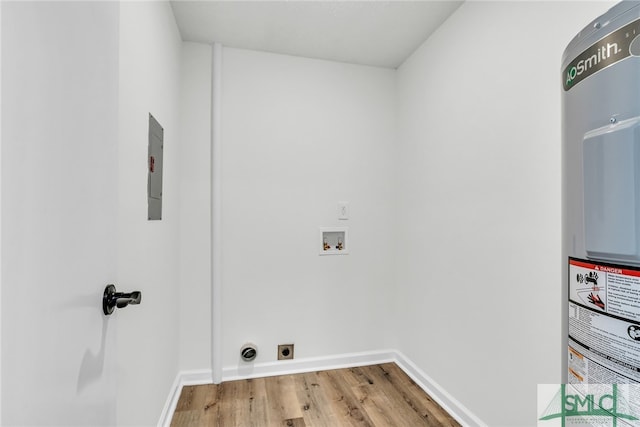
374	396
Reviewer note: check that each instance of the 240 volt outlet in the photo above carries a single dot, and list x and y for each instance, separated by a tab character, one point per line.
285	351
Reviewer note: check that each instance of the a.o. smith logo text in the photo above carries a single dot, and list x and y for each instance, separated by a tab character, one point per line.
587	64
605	52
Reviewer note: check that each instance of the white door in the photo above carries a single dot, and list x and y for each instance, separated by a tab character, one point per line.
59	206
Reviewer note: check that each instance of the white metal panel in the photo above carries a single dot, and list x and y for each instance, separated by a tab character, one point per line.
610	171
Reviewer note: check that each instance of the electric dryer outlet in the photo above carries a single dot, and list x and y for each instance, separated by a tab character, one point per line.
285	351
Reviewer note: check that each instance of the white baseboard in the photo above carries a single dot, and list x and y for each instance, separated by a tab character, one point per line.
310	364
296	366
456	409
183	378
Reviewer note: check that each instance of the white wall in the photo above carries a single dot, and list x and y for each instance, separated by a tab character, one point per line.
148	251
479	203
59	153
299	135
195	210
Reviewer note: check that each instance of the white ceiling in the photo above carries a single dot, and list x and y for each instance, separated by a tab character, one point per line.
374	32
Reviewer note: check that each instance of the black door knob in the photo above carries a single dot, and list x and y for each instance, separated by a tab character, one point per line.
112	299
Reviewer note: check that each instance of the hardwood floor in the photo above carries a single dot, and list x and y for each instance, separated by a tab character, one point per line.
378	395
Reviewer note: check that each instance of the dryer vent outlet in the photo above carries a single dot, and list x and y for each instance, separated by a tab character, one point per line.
285	351
249	352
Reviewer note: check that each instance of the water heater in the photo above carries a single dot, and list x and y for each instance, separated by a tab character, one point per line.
601	199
